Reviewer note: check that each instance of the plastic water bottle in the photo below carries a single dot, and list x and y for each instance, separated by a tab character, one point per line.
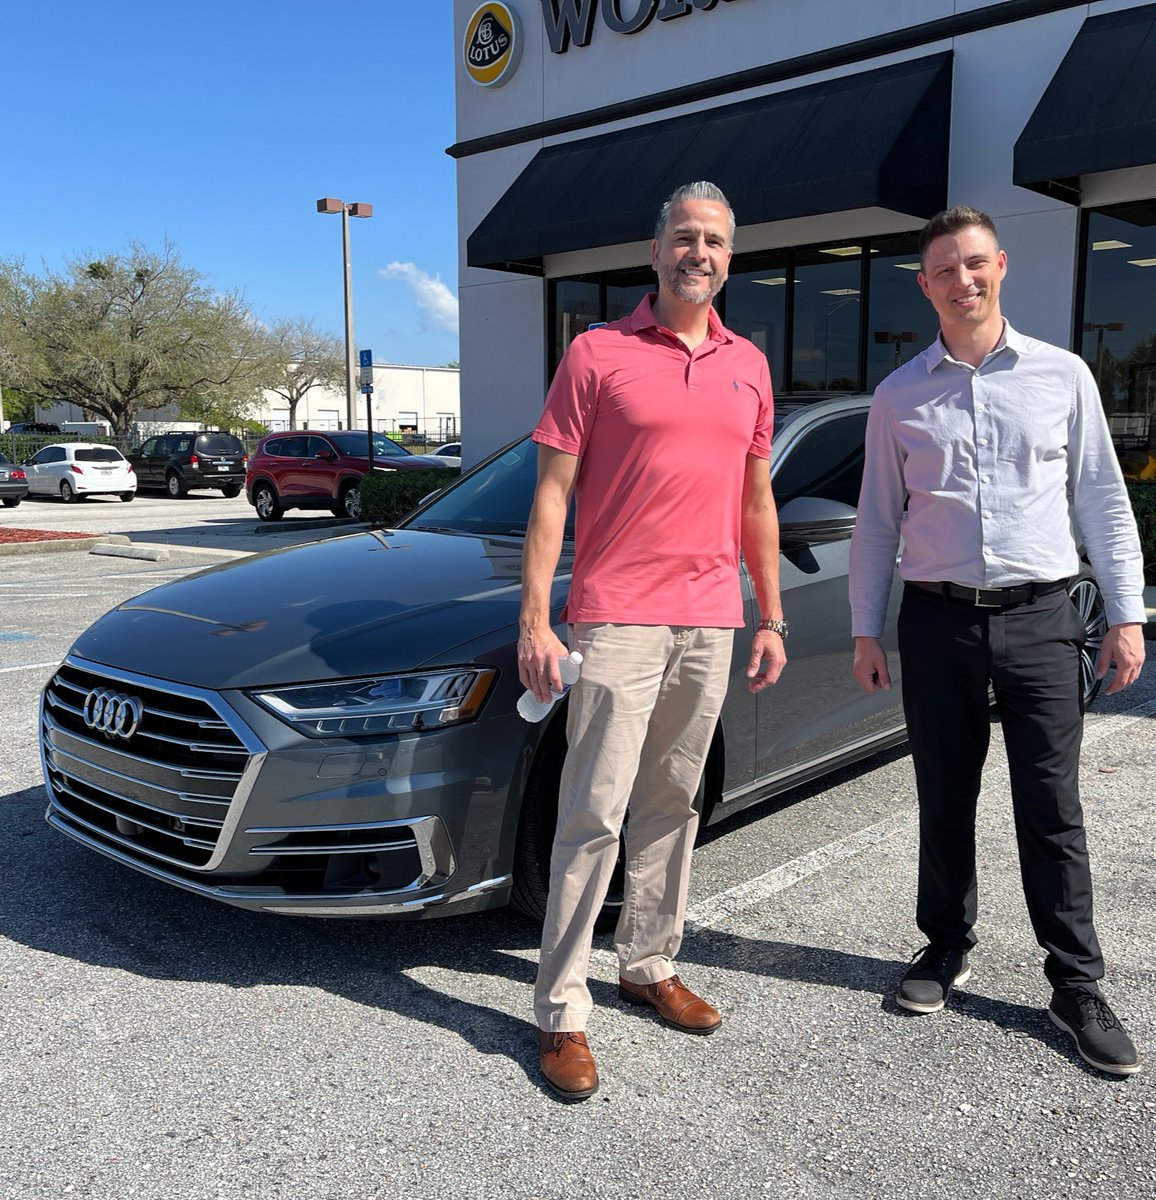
530	708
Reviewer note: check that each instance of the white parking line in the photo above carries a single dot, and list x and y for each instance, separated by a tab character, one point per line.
716	910
32	666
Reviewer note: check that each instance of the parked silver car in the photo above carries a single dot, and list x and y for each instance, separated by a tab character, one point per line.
330	730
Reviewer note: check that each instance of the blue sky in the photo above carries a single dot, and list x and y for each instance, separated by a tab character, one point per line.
219	125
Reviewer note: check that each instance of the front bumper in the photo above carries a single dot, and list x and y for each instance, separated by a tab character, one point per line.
210	793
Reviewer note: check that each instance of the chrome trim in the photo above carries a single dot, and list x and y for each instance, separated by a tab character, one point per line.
321	848
241	792
184	818
273	900
183	772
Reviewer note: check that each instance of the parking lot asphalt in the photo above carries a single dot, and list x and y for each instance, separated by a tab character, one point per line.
157	1045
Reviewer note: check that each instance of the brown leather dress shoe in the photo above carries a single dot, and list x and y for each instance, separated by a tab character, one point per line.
567	1064
674	1002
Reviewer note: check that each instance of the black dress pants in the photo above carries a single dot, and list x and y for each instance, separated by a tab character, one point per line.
1029	653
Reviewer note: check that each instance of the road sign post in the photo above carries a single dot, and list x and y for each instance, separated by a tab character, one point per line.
365	363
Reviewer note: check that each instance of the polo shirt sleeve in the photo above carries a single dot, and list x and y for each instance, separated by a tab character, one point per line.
761	441
572	401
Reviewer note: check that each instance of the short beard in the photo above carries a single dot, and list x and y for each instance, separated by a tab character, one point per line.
672	280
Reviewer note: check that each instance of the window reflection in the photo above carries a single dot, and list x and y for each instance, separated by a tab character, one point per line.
902	322
756	308
827	298
1117	331
576	308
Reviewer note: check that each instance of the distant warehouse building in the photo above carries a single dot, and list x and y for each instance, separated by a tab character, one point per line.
418	400
836	129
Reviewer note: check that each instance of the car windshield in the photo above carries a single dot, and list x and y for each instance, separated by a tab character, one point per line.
356	445
99	454
493	499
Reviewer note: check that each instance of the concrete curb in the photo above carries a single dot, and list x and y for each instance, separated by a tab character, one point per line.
116	550
56	545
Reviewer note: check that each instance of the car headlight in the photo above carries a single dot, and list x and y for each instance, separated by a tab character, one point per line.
387	704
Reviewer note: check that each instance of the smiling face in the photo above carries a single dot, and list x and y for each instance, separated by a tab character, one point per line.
961	277
693	254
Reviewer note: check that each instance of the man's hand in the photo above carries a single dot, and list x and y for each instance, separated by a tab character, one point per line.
1123	649
767	647
538	655
870	666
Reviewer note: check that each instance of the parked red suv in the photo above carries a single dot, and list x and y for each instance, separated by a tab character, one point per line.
308	469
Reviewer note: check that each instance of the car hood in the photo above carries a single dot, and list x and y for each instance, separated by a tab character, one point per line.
357	605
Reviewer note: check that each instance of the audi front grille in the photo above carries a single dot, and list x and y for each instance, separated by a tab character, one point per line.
141	765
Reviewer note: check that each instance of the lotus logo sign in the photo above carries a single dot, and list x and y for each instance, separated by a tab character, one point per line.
112	713
492	45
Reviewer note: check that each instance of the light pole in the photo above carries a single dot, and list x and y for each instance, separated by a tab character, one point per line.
1098	327
331	205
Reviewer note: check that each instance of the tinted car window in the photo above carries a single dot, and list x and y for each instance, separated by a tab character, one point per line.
495	499
270	447
219	443
292	447
149	448
356	445
826	463
182	445
318	445
99	454
50	454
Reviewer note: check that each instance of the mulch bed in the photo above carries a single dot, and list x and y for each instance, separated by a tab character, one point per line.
37	535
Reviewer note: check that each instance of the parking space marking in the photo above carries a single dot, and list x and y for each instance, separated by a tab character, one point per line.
32	666
716	910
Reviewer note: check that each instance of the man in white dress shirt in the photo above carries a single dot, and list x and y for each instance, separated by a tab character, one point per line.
980	451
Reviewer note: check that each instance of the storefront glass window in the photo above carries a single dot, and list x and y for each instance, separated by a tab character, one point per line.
1117	332
827	295
623	299
576	308
756	307
901	321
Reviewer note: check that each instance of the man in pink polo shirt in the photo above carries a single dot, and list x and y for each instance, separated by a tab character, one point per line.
659	425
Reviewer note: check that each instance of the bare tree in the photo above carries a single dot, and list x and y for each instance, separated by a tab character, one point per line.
302	358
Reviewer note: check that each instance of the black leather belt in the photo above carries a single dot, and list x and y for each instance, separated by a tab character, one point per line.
1008	597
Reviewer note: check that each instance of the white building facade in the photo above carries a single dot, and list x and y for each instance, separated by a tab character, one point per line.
836	128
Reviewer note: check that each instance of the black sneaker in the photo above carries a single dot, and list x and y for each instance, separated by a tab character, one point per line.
930	978
1098	1034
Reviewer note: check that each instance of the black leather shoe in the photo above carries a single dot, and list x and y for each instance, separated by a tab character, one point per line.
1100	1038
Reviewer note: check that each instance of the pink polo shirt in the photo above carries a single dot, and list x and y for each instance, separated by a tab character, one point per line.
663	433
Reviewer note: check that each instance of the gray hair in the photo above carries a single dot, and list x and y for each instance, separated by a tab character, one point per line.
702	189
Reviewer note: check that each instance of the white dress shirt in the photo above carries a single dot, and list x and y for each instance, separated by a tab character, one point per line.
981	471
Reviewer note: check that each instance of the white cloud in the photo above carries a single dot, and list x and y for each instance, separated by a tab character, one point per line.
432	296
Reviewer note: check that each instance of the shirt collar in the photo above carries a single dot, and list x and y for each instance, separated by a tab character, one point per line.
643	318
1010	339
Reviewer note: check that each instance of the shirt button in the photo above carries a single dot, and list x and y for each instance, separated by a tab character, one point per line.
978	406
982	441
987	479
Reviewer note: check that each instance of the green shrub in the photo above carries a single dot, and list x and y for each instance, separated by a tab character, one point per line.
386	496
1143	497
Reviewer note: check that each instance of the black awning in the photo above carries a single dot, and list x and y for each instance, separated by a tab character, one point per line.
875	140
1099	111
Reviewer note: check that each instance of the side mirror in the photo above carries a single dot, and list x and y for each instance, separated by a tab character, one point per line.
325	455
812	520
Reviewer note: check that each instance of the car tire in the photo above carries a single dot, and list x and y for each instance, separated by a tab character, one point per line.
127	496
266	503
349	502
1085	594
67	493
12	501
175	486
230	490
536	827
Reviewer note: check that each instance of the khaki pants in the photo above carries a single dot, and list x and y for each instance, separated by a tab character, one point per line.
640	723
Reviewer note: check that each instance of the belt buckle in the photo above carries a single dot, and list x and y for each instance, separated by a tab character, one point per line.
978	603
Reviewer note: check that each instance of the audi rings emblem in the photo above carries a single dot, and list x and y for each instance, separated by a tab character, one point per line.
112	713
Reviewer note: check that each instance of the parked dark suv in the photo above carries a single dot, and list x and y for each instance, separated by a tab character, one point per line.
307	469
178	462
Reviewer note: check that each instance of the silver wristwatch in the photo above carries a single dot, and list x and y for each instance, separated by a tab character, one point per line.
773	626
